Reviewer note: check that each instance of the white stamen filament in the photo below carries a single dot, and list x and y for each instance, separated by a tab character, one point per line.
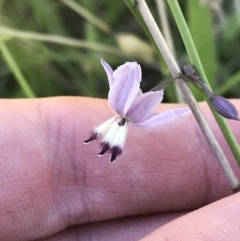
105	126
120	136
108	138
116	135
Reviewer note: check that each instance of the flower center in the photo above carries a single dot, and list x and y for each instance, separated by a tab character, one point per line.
122	122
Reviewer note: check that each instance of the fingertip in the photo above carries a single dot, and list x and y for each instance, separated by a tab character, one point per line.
216	221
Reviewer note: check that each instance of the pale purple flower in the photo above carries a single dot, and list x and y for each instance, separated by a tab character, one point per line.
132	107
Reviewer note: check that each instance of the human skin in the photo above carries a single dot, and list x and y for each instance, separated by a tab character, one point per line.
50	190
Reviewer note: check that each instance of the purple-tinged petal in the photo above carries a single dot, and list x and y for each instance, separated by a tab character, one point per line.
105	148
143	106
115	151
139	93
125	87
165	119
108	71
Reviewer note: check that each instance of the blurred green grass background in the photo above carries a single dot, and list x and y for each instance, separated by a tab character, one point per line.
54	47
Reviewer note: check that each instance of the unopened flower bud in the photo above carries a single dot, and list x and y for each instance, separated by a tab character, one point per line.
189	70
224	107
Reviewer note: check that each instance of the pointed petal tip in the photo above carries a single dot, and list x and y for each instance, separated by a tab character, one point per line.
109	71
184	111
130	67
165	120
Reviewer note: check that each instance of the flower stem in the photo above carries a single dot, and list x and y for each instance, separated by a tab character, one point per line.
16	70
175	70
168	36
195	60
187	39
133	7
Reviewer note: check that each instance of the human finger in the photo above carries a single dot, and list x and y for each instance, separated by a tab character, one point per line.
128	228
216	221
48	176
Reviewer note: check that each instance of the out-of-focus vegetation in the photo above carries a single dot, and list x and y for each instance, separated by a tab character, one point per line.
54	47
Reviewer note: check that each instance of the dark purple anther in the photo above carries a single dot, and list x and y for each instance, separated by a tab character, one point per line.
122	122
93	136
115	151
105	148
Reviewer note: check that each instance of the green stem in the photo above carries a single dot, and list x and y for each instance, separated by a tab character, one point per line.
161	6
187	39
16	70
195	60
229	83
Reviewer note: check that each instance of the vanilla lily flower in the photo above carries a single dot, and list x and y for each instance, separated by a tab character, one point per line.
132	107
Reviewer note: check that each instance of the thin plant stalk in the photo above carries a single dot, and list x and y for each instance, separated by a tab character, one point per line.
6	32
195	60
161	7
230	83
175	70
132	6
16	70
92	18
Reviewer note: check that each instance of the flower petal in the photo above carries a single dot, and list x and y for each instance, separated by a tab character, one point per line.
108	71
125	87
165	119
144	105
